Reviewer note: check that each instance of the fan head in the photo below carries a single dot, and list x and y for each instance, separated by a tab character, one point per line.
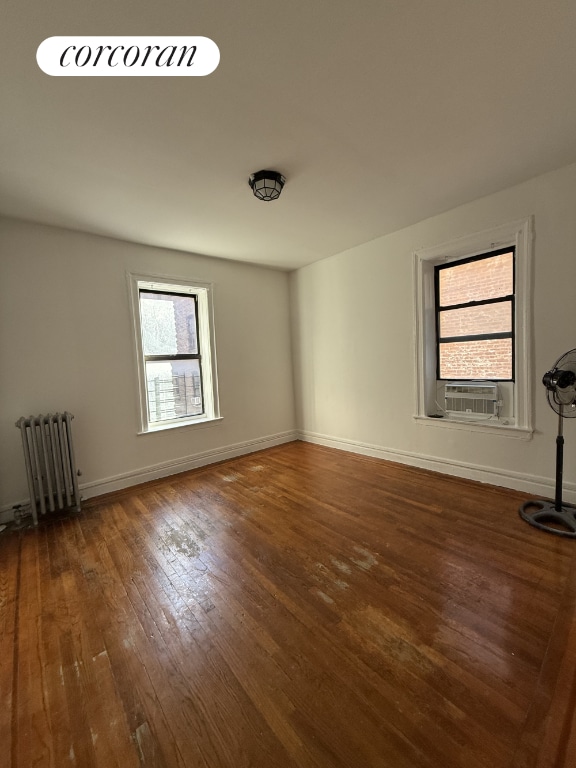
560	383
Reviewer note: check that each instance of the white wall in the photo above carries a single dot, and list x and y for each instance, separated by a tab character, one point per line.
353	337
66	343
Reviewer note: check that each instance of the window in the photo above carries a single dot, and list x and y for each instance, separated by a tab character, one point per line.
475	317
175	352
473	323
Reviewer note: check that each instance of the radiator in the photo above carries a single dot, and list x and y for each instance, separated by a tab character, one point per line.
50	462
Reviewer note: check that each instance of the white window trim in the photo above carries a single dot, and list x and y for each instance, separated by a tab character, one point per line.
518	234
205	293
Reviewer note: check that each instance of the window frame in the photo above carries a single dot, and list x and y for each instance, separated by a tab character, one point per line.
477	303
520	235
179	356
203	297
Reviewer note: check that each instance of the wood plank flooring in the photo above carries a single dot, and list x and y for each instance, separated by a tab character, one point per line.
300	606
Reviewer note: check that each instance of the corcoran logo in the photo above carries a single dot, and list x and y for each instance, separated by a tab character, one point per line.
127	56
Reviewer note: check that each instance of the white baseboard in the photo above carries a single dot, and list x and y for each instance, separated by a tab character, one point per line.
127	479
539	487
144	475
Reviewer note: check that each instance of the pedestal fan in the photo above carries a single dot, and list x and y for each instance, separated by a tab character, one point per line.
557	517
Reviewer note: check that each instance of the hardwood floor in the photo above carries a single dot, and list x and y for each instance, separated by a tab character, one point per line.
296	607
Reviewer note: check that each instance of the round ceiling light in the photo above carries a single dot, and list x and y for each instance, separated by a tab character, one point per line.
266	185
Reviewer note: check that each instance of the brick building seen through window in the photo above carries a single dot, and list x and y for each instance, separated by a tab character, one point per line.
475	317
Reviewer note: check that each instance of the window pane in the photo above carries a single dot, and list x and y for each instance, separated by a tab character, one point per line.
174	389
477	280
168	324
470	321
486	359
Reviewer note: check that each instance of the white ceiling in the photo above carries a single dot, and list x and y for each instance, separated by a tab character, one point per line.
380	113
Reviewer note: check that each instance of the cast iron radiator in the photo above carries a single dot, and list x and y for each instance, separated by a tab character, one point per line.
50	463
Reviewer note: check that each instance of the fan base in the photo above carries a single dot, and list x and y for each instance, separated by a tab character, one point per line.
546	517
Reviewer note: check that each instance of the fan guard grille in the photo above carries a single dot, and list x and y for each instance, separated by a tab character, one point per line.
560	383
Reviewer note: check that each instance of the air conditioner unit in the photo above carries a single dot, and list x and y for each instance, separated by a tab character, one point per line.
471	398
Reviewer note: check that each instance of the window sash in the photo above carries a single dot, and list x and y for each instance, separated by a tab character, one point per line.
459	262
477	336
468	366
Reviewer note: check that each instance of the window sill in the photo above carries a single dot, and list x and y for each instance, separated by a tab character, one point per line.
506	430
198	423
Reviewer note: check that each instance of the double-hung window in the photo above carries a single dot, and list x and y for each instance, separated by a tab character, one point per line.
175	351
475	337
473	330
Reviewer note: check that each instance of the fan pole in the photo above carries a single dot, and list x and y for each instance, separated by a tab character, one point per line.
559	461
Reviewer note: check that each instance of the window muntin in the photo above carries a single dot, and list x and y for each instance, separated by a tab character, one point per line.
475	317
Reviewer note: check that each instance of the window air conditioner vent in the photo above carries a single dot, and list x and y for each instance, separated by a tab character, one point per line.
471	397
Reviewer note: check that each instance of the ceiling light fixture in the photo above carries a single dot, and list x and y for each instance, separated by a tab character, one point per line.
266	185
